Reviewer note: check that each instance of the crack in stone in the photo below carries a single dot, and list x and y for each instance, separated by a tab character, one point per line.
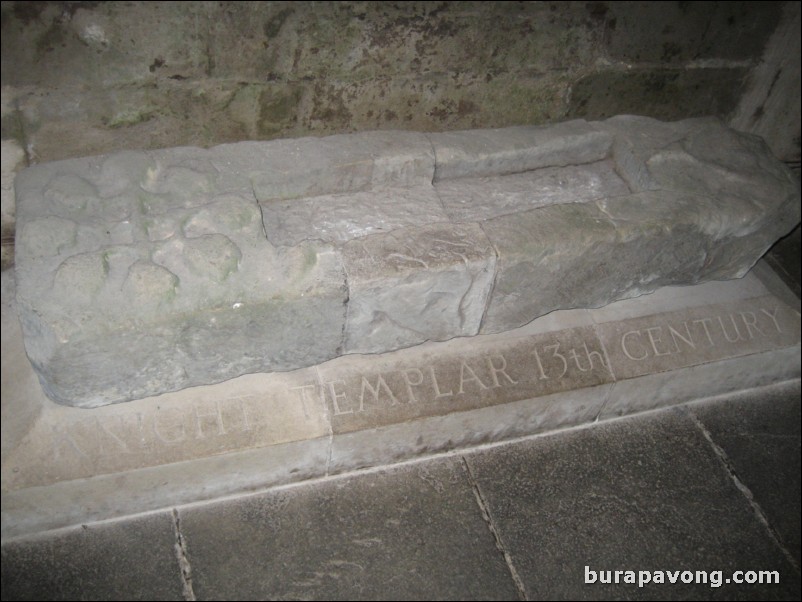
496	267
480	501
742	487
329	423
183	560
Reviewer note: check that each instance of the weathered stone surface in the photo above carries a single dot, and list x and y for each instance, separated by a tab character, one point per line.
658	91
145	272
479	153
695	336
416	284
141	273
360	538
707	202
13	158
288	169
469	199
362	394
344	217
258	430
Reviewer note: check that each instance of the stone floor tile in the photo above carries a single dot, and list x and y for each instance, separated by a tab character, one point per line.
132	559
641	494
414	532
759	435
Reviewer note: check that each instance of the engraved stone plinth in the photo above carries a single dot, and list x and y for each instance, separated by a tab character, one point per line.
146	272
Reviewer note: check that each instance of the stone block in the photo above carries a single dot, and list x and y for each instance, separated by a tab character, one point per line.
141	273
660	92
416	284
473	199
347	216
146	272
303	167
707	203
479	153
678	33
13	159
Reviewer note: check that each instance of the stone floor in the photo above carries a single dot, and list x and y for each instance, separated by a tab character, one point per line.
711	487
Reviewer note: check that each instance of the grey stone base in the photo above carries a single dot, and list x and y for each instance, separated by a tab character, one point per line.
147	272
64	465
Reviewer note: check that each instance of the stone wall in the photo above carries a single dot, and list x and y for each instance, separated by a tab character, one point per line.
81	78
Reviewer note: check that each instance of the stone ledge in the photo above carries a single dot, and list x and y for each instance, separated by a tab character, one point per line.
566	369
146	272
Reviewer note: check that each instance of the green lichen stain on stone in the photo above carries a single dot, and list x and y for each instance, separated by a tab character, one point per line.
272	27
310	259
131	117
278	108
661	93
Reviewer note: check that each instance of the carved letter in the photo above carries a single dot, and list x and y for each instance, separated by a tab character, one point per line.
181	431
61	438
119	442
575	356
410	384
654	340
503	370
335	397
626	349
773	316
703	322
218	418
437	393
240	401
591	354
463	380
302	395
750	319
556	353
380	384
540	365
737	337
687	339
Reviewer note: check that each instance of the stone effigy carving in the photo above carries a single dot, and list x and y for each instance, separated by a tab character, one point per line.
146	272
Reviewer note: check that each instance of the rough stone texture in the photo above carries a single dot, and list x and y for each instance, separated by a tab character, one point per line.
469	199
563	369
769	106
72	466
344	217
413	285
659	92
93	78
757	432
700	209
154	274
19	402
133	560
411	533
331	165
13	159
478	153
145	272
644	494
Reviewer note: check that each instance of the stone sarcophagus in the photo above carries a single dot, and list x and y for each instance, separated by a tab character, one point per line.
145	272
